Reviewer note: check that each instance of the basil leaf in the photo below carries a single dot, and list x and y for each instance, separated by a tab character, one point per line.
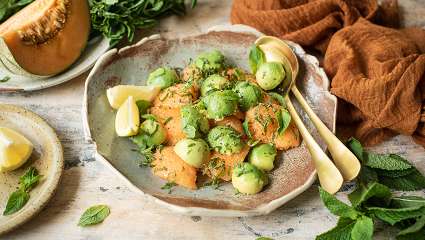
363	192
94	215
30	179
356	147
337	207
284	119
419	224
363	229
256	58
342	231
16	201
393	216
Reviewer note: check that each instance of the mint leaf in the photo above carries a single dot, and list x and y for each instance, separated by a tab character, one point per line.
342	231
337	207
420	235
143	106
16	201
363	229
256	58
411	182
278	97
386	162
4	79
407	201
396	173
263	238
30	179
284	119
367	175
393	216
94	215
419	224
363	192
356	147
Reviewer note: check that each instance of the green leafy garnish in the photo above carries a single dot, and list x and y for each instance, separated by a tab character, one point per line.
119	19
168	186
94	215
20	197
143	106
4	79
10	7
256	58
284	119
372	199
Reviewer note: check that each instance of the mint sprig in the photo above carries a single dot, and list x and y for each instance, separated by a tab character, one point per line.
372	199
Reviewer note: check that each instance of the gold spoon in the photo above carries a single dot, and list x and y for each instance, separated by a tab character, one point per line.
277	50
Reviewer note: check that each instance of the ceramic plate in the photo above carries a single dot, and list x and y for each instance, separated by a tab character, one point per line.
294	172
95	48
47	158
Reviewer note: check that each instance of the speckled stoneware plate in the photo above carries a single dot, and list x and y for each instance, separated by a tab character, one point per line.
47	158
95	48
294	172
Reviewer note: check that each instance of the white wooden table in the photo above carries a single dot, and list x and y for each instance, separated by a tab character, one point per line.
87	182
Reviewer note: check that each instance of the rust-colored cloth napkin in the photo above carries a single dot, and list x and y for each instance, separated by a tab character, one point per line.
377	72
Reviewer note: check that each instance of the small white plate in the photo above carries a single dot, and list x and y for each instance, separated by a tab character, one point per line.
47	158
95	48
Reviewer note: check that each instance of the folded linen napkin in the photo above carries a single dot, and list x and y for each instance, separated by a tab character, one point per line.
378	73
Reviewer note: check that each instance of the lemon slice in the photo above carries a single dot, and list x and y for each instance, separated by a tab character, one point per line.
127	120
119	94
15	149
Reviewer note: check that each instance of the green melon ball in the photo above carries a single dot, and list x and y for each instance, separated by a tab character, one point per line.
225	140
151	134
193	151
269	75
213	83
193	123
248	179
163	77
210	62
262	156
249	94
220	104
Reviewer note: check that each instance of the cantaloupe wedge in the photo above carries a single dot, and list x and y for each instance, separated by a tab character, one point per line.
45	37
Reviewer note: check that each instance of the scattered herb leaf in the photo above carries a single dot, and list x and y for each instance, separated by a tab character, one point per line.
94	215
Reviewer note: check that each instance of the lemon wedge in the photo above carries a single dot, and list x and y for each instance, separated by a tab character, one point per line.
127	120
119	94
15	149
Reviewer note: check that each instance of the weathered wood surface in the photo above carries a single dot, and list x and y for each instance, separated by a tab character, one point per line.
87	182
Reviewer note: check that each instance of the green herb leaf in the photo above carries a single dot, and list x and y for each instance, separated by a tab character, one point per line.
263	238
10	7
94	215
363	192
246	128
256	58
143	106
16	201
30	179
278	97
363	229
284	119
410	182
419	224
337	207
356	147
394	174
407	201
393	216
386	162
168	186
367	175
5	79
342	231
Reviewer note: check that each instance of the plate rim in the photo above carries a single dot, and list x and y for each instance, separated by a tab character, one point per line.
103	43
264	208
29	211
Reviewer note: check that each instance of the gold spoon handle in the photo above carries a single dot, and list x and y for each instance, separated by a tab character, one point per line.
329	176
344	159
